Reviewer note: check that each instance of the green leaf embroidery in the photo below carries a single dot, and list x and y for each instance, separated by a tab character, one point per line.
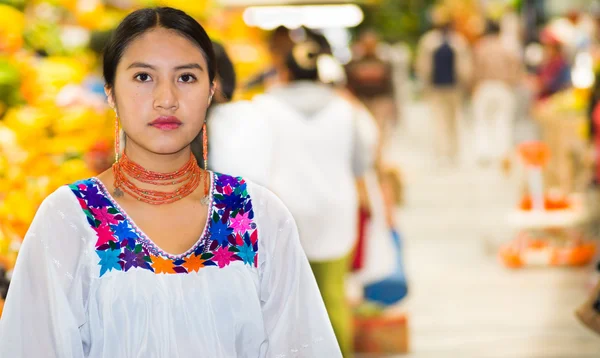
216	217
89	214
138	248
207	256
112	211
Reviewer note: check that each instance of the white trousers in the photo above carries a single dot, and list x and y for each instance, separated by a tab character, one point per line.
494	109
446	109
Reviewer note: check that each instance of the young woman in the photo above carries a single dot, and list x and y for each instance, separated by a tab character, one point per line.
308	145
157	257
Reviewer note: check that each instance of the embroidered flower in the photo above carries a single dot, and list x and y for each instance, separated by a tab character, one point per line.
109	260
232	202
123	231
220	232
104	216
104	234
241	223
94	198
223	257
193	263
162	265
132	259
247	254
224	180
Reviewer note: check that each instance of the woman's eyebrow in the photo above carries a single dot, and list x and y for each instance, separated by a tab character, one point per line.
187	66
141	65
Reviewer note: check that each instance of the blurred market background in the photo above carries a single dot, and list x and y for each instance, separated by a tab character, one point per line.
498	251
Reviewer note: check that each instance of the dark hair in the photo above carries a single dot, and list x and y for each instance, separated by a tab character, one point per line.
301	61
492	27
225	71
140	21
319	39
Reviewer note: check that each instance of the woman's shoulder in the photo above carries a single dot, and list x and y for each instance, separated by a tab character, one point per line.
63	204
239	187
79	197
66	195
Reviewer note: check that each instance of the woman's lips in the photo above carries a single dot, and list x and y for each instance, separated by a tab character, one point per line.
166	123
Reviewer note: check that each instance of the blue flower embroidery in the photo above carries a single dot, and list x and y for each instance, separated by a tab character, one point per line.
247	254
220	232
123	231
109	260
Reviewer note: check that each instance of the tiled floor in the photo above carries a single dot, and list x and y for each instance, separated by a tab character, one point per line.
463	302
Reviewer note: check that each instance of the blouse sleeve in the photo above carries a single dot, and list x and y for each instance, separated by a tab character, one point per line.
45	305
295	319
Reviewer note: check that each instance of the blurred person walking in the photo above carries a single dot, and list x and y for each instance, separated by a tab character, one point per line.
370	79
444	65
308	143
497	74
554	74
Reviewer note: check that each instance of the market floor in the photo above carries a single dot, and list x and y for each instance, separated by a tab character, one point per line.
463	302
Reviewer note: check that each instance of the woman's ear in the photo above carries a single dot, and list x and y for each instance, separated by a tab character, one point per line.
109	94
212	92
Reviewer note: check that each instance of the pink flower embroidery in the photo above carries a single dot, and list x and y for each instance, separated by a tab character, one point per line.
104	235
223	257
241	223
104	216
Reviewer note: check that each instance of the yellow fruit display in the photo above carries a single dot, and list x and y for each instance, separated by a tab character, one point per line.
11	31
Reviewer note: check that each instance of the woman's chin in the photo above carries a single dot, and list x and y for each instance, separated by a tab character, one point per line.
168	149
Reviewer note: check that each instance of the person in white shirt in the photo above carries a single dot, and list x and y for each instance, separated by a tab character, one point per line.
308	143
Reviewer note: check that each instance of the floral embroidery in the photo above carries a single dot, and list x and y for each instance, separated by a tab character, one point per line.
230	234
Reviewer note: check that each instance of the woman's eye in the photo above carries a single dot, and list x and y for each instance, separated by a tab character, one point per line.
142	77
187	78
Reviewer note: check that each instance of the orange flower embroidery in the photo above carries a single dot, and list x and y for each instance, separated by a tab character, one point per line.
161	265
193	263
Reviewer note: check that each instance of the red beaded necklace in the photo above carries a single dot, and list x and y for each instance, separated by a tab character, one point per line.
189	176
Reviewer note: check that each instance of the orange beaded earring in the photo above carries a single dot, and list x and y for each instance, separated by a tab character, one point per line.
206	198
117	137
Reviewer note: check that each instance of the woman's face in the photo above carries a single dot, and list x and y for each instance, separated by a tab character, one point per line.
161	91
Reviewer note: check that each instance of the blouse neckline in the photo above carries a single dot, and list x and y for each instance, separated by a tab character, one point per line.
145	239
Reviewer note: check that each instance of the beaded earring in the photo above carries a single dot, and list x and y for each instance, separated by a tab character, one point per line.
206	198
117	137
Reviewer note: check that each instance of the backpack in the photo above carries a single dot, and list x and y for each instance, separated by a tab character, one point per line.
444	65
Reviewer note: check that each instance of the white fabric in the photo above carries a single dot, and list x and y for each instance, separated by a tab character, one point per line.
380	259
494	109
58	306
307	160
239	141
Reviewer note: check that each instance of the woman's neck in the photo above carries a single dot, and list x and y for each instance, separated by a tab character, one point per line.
160	163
